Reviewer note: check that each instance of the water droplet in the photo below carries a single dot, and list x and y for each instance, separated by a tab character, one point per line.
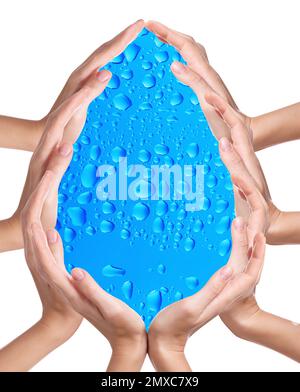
106	226
177	237
206	204
176	99
122	102
162	56
198	226
149	81
88	176
164	290
127	74
154	301
125	234
221	206
223	225
158	42
95	152
207	157
189	244
119	59
158	225
212	181
69	234
192	150
62	198
144	156
224	247
161	208
140	211
114	82
147	65
178	296
145	106
127	289
194	100
228	185
77	215
108	207
85	198
118	153
192	282
69	248
90	230
111	271
161	149
131	52
181	214
161	269
85	140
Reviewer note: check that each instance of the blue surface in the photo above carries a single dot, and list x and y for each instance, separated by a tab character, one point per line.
147	253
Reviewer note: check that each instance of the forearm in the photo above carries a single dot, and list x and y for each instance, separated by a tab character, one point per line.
277	127
128	356
286	229
19	134
29	348
165	360
10	235
273	332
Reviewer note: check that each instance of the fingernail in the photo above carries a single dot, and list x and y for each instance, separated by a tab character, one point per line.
239	224
226	273
103	76
77	274
178	67
225	144
51	236
65	149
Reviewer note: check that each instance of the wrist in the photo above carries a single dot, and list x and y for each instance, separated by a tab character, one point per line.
242	319
128	355
11	237
59	328
166	359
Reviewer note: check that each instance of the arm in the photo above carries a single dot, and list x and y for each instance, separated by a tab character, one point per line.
277	127
20	134
247	321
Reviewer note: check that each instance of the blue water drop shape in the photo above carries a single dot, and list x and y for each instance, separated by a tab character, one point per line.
114	82
192	150
211	181
149	81
69	234
106	226
161	208
161	56
224	247
198	226
122	102
158	225
118	59
161	149
111	271
118	153
77	215
221	206
144	156
192	282
127	74
223	225
154	301
125	234
178	296
189	244
140	211
131	52
95	152
176	99
161	269
127	289
147	65
90	230
108	207
88	176
85	198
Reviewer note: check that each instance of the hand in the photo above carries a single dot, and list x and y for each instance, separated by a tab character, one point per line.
85	80
171	328
123	328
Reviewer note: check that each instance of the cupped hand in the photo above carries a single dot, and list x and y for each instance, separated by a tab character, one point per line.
172	327
123	328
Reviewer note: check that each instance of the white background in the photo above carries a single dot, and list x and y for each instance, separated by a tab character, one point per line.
254	45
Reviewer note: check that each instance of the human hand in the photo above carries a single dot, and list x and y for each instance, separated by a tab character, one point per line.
123	328
171	328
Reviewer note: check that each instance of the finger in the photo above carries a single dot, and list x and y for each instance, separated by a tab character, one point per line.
194	54
55	246
109	50
258	254
239	253
94	86
200	87
55	275
212	288
88	287
33	209
222	106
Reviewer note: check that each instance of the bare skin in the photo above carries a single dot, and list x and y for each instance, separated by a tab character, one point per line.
15	133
